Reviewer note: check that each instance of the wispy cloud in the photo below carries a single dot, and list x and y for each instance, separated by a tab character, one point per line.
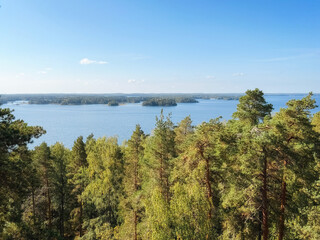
86	61
45	71
210	77
20	75
238	74
135	81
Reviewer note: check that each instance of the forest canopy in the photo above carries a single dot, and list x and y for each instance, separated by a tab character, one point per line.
256	176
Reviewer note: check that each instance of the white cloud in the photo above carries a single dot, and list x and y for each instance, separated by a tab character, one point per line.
132	80
210	77
86	61
42	72
239	74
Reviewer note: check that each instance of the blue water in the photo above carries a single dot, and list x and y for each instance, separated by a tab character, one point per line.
65	123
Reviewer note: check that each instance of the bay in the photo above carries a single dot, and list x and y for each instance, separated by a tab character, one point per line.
65	123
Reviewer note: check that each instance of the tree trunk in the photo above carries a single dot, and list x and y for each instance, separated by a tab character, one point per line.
265	214
283	204
259	225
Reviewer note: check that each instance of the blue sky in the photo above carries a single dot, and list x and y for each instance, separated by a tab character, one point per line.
101	46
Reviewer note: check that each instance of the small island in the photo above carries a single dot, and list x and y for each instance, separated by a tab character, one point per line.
163	102
113	103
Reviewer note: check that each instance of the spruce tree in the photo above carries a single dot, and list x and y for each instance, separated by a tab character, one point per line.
77	179
61	189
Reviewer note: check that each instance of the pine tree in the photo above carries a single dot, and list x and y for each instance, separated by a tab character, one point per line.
195	203
183	131
159	153
14	135
297	145
252	107
131	206
249	161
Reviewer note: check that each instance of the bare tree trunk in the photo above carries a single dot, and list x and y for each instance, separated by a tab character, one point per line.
259	225
265	213
283	204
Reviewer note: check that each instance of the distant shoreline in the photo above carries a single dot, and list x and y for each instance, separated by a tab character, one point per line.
163	100
114	100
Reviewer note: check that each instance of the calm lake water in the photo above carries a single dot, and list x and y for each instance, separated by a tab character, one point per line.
65	123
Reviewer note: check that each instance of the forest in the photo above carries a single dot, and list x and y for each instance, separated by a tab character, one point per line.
256	176
113	99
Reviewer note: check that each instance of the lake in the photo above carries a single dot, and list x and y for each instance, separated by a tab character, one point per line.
65	123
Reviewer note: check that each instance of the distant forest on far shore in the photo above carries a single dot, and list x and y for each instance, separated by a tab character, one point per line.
114	99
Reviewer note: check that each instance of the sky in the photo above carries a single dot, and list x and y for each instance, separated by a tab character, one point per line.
159	46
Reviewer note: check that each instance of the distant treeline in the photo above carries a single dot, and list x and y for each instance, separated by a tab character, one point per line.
112	100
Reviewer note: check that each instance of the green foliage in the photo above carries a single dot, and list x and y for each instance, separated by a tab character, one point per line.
61	189
131	206
78	179
159	154
165	102
253	177
252	107
104	190
316	122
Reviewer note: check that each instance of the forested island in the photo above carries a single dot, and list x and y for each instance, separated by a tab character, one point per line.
256	176
113	99
165	102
